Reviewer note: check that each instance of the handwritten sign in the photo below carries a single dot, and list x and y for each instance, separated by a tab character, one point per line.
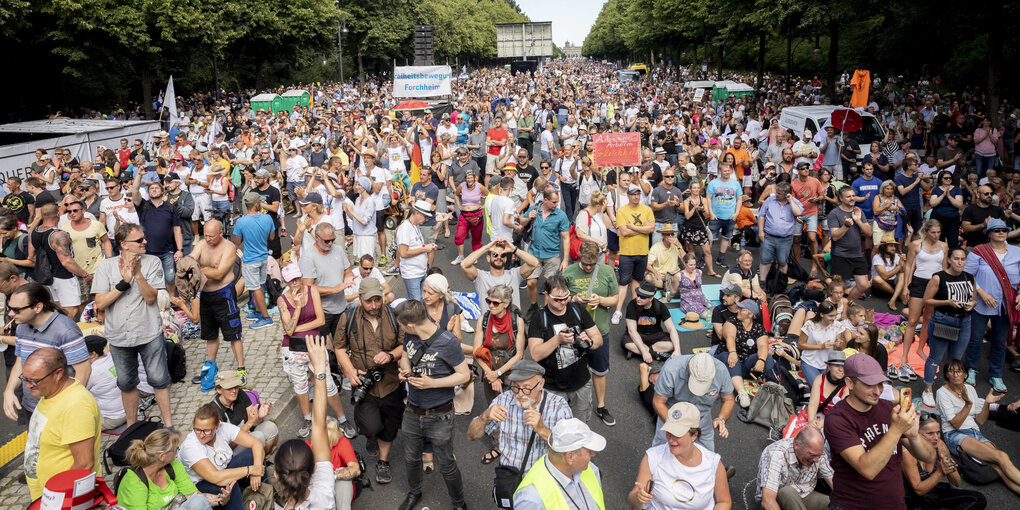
698	94
617	149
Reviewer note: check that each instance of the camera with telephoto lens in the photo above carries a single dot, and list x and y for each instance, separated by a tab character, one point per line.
579	343
368	379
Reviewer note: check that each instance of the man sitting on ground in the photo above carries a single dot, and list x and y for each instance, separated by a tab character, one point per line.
789	470
664	263
651	333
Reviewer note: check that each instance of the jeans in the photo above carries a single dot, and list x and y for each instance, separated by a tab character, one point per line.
656	236
743	369
438	429
169	267
545	155
414	288
196	501
983	163
153	353
568	197
996	339
236	501
776	249
937	347
811	373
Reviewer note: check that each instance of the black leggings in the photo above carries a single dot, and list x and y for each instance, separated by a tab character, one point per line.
950	230
945	496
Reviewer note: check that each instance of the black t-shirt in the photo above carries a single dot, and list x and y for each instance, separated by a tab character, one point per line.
239	414
270	195
18	204
721	314
566	369
43	198
976	214
527	174
649	320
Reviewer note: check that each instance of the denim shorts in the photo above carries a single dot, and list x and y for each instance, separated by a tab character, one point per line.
153	354
254	274
632	268
954	438
598	359
776	249
721	228
169	267
812	223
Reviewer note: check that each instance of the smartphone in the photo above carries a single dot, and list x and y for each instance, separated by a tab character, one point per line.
651	483
906	398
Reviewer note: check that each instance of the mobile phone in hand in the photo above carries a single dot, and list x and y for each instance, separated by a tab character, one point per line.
906	398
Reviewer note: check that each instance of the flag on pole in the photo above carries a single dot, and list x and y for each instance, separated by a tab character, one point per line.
416	160
170	101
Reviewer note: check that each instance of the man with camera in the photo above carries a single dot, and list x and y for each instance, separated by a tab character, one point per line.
560	336
432	364
367	346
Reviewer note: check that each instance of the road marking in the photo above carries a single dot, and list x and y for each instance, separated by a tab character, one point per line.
13	448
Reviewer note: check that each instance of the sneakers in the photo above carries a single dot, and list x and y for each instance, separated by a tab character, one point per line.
372	448
196	380
382	472
997	384
466	327
306	428
604	415
744	399
928	399
208	376
892	371
348	429
971	377
253	316
262	323
721	261
393	271
617	315
457	261
906	373
242	374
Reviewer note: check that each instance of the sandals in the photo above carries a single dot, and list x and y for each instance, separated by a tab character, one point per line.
492	456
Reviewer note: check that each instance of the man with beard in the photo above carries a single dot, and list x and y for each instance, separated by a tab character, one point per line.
498	254
180	198
270	204
976	215
162	226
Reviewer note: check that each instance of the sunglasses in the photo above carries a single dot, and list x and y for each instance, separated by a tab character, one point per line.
493	302
19	309
998	231
327	241
139	240
558	299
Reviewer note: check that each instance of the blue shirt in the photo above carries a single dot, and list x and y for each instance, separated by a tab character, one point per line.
912	200
254	231
546	242
779	218
831	155
724	197
60	332
946	209
158	223
867	188
672	384
985	279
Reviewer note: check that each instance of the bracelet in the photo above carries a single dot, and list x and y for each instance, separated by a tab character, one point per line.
122	286
249	471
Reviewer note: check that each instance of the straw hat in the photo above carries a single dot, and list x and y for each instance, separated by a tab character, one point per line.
692	321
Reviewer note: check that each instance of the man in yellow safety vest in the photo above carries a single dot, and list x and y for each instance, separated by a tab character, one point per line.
564	478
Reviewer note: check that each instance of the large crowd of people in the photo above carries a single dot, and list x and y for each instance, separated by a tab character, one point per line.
325	223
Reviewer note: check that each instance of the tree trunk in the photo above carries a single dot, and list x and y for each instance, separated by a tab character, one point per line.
831	69
719	75
147	94
760	82
361	68
259	69
216	79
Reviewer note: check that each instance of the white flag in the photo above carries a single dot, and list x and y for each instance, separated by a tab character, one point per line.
170	100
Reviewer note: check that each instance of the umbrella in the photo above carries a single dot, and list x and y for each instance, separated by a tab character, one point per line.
846	119
413	104
504	101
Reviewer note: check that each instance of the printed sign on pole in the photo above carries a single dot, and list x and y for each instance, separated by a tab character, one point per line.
617	149
421	81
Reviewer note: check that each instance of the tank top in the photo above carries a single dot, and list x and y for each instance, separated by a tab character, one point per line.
822	396
955	288
218	185
41	241
470	196
305	315
926	264
680	487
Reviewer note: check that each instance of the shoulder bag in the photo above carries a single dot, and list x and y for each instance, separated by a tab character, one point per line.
509	477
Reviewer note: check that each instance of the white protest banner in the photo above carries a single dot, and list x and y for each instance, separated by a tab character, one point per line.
698	94
421	81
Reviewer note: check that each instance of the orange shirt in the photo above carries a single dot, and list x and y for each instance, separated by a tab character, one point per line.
745	218
743	160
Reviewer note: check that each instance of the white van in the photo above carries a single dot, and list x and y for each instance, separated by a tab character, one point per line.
799	118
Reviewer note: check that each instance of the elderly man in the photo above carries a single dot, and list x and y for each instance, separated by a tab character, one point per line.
326	267
663	269
218	302
778	221
414	252
65	427
523	411
790	468
805	149
566	472
701	380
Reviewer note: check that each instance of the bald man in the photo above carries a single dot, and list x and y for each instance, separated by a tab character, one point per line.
218	299
64	430
788	481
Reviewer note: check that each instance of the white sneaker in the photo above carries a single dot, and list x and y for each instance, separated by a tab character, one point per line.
465	326
458	260
617	315
744	399
928	399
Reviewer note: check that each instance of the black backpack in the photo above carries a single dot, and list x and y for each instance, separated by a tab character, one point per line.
274	289
176	361
170	475
116	453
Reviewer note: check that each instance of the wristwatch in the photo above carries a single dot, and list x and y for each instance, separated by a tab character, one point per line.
320	377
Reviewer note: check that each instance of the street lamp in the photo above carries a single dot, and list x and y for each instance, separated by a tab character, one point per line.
341	28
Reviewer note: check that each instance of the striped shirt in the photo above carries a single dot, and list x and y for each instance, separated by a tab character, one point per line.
779	467
60	332
514	434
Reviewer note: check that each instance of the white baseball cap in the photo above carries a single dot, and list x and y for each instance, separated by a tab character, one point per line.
701	370
573	434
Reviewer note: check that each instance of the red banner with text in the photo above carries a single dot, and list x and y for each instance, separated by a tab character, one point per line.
617	149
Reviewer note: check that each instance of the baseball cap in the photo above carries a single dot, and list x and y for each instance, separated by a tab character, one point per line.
291	272
750	306
701	372
311	198
228	379
573	434
995	223
681	418
91	183
525	369
732	290
262	172
865	369
370	288
634	188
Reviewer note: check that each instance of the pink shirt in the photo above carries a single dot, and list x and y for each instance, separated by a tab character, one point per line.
985	147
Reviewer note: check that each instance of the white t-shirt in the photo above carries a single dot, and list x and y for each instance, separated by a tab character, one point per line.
570	132
353	289
597	229
202	175
547	141
320	493
295	167
817	335
950	405
415	265
121	207
498	207
928	170
878	260
103	385
379	174
219	453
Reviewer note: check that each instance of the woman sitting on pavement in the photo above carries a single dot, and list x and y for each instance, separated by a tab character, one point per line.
960	420
886	267
211	462
237	408
827	389
692	298
745	349
926	483
681	458
166	481
499	342
819	338
344	463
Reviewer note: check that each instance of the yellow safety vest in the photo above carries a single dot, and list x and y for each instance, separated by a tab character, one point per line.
485	207
549	490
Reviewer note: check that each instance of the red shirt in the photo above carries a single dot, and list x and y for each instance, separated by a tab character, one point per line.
341	454
804	190
497	135
125	157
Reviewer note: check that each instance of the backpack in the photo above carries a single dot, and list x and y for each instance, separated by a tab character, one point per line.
352	332
176	361
117	478
274	289
770	407
975	471
575	242
117	451
775	282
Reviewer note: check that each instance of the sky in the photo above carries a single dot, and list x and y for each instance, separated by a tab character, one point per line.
571	19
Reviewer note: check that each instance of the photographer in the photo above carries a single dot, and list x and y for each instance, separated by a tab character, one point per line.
367	346
560	336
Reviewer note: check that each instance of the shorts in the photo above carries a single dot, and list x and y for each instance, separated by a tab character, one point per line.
848	267
428	233
363	245
254	274
219	313
721	228
776	249
632	268
153	353
917	287
203	208
296	365
547	267
598	359
579	400
169	267
812	223
954	438
84	290
65	291
380	221
613	241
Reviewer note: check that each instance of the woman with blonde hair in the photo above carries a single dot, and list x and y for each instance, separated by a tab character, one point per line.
592	220
498	345
345	464
219	187
166	482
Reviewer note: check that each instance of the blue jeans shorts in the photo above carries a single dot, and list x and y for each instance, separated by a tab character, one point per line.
721	228
812	223
153	354
169	267
598	359
776	249
954	438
